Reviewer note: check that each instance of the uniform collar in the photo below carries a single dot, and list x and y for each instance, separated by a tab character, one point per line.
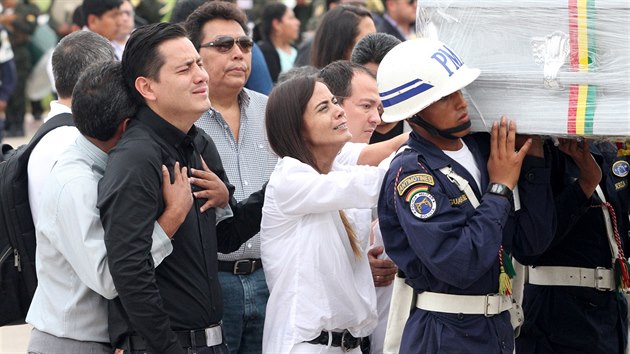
435	158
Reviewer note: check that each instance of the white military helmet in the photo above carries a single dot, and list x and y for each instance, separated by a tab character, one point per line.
417	73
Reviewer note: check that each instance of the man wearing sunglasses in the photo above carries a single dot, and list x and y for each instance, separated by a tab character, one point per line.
236	124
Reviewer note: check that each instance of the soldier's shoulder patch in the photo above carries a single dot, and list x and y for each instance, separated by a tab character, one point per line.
415	190
423	205
417	178
621	168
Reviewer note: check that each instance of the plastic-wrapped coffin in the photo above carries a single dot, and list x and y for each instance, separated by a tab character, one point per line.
557	67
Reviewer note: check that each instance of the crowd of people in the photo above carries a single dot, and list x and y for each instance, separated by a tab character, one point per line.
223	191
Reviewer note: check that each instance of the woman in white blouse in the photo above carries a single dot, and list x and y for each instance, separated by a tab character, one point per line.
321	291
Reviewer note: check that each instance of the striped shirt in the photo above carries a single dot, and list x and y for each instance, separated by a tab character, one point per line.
249	161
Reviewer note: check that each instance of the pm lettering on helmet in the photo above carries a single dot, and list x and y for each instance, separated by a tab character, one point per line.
445	56
417	73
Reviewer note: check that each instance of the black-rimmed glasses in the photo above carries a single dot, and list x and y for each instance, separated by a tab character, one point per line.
224	44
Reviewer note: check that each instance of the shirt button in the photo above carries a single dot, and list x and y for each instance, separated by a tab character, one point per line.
249	245
214	308
531	176
261	146
246	183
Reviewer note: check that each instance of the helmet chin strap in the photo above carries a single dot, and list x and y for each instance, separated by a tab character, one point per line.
445	133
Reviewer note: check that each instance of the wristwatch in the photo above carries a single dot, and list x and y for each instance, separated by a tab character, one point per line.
500	189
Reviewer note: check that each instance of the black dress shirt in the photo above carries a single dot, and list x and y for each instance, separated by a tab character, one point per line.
183	293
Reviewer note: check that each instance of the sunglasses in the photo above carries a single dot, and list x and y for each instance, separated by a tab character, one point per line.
224	44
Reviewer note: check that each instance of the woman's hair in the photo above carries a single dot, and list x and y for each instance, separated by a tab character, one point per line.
284	119
335	35
272	11
284	122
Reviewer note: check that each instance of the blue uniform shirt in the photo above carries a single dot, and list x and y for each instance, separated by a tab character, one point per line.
443	244
593	321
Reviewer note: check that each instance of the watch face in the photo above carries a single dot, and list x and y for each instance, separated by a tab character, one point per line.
500	189
497	188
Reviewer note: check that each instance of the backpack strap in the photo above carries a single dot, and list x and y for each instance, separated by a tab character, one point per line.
60	120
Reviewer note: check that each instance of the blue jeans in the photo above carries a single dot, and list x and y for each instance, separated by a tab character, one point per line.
244	303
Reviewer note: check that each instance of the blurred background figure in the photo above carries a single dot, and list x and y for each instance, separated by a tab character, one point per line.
280	29
20	20
41	45
340	29
8	75
183	8
319	11
303	11
399	18
103	17
151	11
126	24
62	16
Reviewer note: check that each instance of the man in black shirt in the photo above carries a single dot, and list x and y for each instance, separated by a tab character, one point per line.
178	306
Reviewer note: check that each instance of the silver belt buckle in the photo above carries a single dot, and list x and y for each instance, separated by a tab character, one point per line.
214	336
243	262
599	278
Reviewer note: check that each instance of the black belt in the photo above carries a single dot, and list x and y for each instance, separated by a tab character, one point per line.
345	340
241	267
187	339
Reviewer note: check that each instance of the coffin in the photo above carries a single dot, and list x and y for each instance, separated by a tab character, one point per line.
556	67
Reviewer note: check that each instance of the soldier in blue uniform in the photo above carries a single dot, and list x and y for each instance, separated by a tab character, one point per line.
573	302
455	256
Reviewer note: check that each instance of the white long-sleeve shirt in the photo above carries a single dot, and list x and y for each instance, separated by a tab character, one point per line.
315	280
45	155
70	259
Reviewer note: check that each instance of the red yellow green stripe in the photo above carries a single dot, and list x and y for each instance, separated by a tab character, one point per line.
582	41
415	190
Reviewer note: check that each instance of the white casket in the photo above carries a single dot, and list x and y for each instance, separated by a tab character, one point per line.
556	67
